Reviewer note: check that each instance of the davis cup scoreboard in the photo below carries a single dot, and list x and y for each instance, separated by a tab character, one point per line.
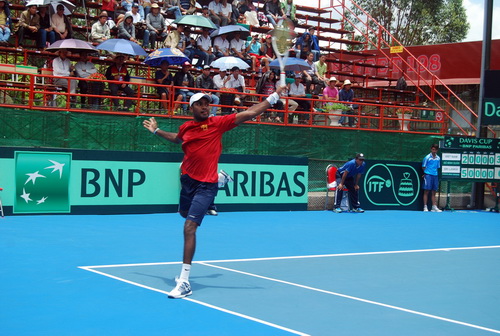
470	158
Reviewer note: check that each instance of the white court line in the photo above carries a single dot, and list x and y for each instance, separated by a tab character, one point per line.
443	249
199	302
355	298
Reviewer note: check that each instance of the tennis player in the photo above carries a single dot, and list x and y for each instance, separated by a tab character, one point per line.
202	147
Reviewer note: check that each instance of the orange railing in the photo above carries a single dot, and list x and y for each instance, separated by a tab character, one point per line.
35	91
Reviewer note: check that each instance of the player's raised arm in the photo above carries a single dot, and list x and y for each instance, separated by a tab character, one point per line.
152	125
259	108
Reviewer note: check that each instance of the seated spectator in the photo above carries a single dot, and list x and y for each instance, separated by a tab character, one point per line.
239	49
267	51
61	24
126	29
62	67
236	82
176	39
109	7
266	86
205	12
84	68
204	51
163	77
226	12
138	22
4	22
346	94
28	24
184	79
303	46
118	72
220	79
46	32
221	46
187	7
247	12
273	12
321	68
144	8
172	7
314	44
310	76
100	30
205	81
298	90
156	28
253	50
127	4
331	92
289	8
215	13
190	44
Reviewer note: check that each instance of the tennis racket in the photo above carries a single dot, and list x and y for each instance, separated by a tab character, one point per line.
282	40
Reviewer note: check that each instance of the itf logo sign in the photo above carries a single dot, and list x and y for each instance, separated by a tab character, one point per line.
388	185
42	182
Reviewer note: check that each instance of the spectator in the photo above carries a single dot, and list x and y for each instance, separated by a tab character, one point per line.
303	46
321	68
62	67
190	44
253	50
118	72
221	45
236	82
247	9
205	12
46	31
176	38
163	77
314	44
239	49
4	22
156	28
172	7
134	12
205	81
61	24
109	7
85	68
310	76
346	94
144	8
289	8
187	6
298	90
266	86
126	29
267	51
100	30
214	9
204	51
28	24
272	10
331	92
127	5
219	79
185	80
226	12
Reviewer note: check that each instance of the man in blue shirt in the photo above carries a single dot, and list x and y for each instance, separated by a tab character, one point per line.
348	175
430	165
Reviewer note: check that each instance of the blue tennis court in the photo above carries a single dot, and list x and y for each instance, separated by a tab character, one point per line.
256	273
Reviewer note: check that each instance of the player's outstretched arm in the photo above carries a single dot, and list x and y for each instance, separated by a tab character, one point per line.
259	108
152	125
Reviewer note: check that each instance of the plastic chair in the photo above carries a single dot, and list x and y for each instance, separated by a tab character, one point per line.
1	206
331	184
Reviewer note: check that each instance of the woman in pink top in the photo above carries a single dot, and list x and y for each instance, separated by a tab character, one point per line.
331	92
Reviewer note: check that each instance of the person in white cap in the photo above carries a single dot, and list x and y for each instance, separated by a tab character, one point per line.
201	140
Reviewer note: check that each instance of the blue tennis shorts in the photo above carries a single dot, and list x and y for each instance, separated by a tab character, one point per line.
196	197
431	182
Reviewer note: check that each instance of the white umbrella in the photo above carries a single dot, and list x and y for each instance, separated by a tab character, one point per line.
68	6
228	62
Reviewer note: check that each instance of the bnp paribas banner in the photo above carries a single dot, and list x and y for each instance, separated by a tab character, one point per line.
391	185
39	181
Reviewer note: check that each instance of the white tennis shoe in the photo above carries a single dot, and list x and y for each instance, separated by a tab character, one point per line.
182	289
435	209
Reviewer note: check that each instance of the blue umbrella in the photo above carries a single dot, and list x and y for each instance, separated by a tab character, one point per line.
292	64
122	46
172	55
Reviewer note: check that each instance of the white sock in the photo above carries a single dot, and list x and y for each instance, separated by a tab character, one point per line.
186	268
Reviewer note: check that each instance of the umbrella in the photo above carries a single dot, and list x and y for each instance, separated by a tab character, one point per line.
72	45
227	62
292	64
122	46
172	55
68	6
196	21
231	29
